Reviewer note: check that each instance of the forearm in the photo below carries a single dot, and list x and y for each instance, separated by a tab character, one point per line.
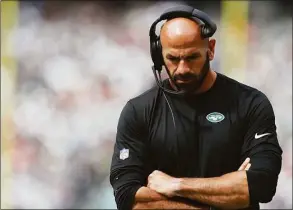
145	198
145	194
165	204
229	191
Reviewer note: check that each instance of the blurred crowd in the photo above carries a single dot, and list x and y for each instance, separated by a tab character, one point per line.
79	65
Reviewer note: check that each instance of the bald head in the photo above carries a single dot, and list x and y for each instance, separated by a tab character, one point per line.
181	32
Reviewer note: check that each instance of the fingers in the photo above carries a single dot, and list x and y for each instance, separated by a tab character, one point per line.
244	164
153	174
248	166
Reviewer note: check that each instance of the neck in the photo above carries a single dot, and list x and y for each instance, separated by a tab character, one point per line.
207	83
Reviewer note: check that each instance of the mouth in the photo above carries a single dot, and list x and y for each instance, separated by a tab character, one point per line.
182	81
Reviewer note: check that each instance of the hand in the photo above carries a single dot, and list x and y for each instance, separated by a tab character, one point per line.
163	183
245	165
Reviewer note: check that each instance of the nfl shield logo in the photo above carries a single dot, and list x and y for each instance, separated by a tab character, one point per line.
124	153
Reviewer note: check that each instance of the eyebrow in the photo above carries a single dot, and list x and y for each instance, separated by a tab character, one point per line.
194	54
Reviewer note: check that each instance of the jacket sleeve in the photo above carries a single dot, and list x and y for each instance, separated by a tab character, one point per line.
127	173
262	146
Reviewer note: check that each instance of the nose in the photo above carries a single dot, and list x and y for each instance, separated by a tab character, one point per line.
182	67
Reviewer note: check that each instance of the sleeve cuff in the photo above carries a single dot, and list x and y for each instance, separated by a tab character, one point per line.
125	197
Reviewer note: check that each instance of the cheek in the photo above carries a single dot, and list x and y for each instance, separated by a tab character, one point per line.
197	65
171	66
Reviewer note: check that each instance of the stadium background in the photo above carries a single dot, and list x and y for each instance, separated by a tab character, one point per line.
68	68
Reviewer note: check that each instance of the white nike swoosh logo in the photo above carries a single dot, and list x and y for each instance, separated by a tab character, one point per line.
261	135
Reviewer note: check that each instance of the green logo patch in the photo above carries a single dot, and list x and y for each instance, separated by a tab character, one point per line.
215	117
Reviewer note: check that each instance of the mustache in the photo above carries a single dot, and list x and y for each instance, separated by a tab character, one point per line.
184	76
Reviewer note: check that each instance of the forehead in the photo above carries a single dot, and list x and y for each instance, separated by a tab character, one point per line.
183	51
182	45
181	33
182	42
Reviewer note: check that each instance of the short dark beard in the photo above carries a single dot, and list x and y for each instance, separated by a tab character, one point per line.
192	87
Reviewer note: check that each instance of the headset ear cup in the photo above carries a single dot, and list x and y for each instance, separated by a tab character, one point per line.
160	53
156	53
153	50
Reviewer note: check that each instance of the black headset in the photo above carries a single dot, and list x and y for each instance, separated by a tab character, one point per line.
208	28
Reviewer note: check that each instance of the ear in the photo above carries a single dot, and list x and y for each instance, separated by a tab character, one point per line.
211	51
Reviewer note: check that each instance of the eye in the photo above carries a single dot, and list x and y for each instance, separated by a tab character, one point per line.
173	59
192	57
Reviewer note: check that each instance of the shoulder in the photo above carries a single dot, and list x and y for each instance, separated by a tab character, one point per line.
137	110
244	92
249	99
141	105
145	99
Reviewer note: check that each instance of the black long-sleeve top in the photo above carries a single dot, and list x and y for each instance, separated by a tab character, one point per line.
203	135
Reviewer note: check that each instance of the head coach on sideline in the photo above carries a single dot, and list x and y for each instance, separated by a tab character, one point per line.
199	139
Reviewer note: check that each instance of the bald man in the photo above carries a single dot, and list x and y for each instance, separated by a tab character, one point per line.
193	151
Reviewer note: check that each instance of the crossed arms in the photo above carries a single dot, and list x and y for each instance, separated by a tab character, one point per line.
234	190
219	191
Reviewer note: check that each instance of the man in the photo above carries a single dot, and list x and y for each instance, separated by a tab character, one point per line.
183	151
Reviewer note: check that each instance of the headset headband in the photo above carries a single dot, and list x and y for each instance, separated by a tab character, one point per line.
184	11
